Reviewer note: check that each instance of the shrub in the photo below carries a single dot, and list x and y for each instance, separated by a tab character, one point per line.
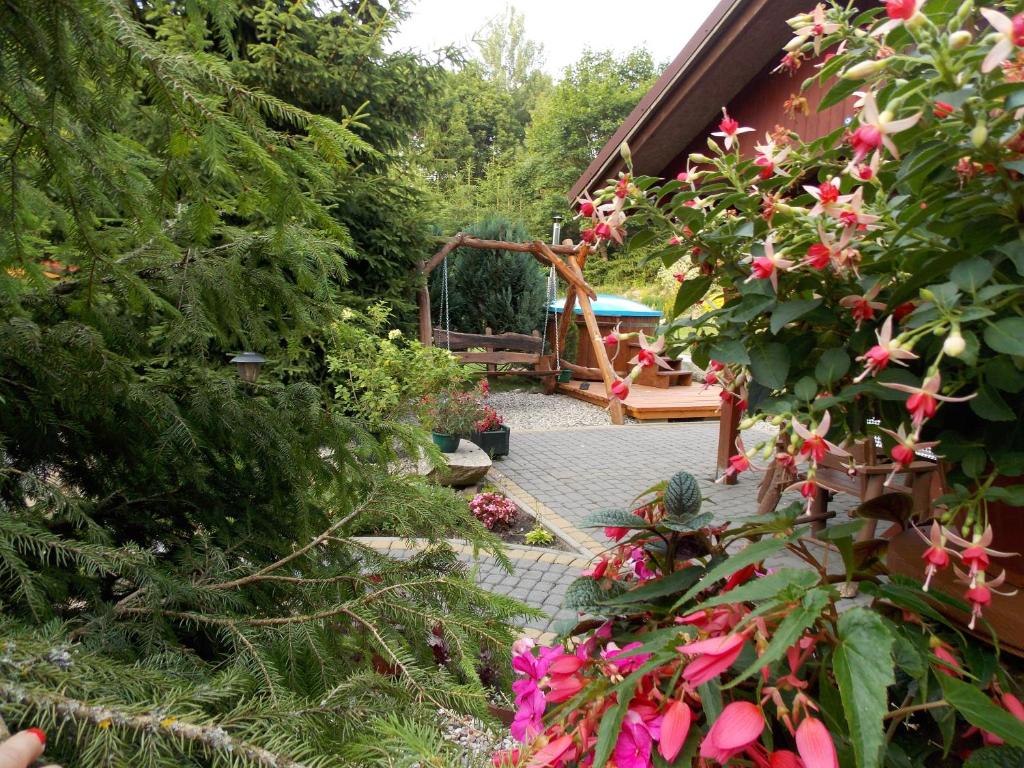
493	510
539	537
451	412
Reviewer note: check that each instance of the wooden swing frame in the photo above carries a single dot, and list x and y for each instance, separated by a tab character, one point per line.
570	270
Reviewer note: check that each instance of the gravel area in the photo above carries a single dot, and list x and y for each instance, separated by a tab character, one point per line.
476	741
532	410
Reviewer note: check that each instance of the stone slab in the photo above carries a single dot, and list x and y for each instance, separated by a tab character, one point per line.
468	465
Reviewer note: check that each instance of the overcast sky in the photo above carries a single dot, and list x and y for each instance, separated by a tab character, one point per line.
564	27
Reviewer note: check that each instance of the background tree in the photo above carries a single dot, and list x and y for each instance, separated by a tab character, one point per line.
179	575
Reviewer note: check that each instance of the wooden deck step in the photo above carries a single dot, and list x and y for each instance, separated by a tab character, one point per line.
653	403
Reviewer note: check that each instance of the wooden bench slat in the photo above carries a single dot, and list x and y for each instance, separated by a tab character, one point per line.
499	358
517	342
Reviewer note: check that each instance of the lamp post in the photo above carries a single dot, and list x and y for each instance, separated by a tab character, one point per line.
248	365
556	229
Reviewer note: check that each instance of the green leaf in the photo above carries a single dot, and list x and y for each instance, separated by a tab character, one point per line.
689	293
789	311
971	274
752	553
788	632
1006	335
996	757
832	366
731	351
769	364
614	518
587	595
687	524
864	670
1015	250
977	709
806	389
990	405
676	581
764	588
611	724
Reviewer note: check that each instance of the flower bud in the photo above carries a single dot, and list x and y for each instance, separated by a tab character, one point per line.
768	451
954	345
801	20
979	134
864	69
697	157
713	146
960	39
795	44
966	9
627	156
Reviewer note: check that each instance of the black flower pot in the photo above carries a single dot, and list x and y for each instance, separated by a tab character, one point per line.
494	442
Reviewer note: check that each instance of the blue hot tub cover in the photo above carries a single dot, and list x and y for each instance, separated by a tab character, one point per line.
608	305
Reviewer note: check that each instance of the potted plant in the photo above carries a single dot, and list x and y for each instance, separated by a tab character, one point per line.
450	414
491	433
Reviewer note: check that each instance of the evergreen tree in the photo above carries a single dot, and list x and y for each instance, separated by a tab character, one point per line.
180	583
501	290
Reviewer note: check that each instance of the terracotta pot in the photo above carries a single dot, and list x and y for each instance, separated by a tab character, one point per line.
505	716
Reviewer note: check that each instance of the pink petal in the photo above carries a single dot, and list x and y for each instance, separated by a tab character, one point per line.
674	729
550	752
566	665
709	666
715	646
1000	52
999	21
814	743
738	726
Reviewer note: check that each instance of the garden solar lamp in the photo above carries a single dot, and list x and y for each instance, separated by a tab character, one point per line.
556	229
248	365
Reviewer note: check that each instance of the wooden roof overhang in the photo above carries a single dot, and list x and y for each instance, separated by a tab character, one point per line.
733	45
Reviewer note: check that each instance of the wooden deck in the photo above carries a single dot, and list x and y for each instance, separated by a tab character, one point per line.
653	403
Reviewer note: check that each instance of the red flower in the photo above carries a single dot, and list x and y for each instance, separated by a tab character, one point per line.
942	110
603	231
738	463
620	389
713	656
828	193
763	267
587	208
814	743
900	9
739	726
674	728
864	140
614	534
903	310
588	236
679	276
902	454
818	256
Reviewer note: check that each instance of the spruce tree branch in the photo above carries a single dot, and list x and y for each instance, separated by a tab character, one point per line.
211	737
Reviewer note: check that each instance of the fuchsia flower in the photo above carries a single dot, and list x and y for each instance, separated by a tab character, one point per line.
729	130
948	664
714	656
817	27
650	353
863	307
818	256
675	726
620	389
1011	35
814	443
814	743
770	157
739	462
767	267
923	400
875	129
899	12
739	726
853	216
884	352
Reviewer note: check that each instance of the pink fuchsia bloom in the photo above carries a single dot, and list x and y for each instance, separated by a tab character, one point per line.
767	267
556	752
863	307
977	551
827	198
650	353
713	656
853	216
886	351
814	443
738	727
1011	35
899	12
936	556
729	130
770	157
818	256
814	743
620	389
923	400
675	726
817	27
980	590
876	128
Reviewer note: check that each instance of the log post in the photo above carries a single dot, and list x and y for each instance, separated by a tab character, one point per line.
491	367
615	406
728	431
570	301
426	324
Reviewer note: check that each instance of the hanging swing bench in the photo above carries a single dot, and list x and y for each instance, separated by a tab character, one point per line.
517	350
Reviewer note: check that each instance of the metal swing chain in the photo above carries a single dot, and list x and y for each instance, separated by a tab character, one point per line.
444	304
551	291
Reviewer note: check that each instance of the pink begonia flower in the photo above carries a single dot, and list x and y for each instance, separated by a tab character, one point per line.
948	664
783	758
522	645
597	570
556	752
875	129
640	569
739	726
674	729
713	656
564	680
505	758
817	28
729	130
814	443
884	352
768	266
923	400
624	660
1011	35
714	620
814	743
636	738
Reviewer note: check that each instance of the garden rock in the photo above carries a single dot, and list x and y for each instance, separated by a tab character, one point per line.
467	466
